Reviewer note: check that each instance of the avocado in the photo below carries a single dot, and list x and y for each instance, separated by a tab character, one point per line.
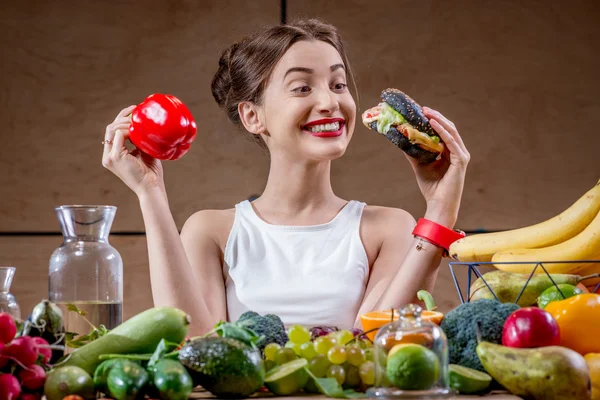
225	367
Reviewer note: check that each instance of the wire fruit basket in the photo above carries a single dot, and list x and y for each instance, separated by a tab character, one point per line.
474	268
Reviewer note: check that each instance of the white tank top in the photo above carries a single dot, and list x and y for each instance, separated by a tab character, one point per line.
309	275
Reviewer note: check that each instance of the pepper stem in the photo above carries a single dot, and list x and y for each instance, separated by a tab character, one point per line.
427	298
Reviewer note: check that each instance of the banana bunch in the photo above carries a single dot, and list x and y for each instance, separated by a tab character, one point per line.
571	235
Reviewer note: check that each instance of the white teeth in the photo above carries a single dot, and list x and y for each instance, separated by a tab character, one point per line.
325	127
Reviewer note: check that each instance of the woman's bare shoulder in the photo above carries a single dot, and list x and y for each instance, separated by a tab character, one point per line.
381	216
379	223
214	223
212	216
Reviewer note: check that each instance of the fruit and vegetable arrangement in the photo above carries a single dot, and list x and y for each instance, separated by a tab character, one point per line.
532	332
545	344
549	352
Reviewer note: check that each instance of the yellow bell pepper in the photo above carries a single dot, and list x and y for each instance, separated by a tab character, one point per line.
593	363
577	318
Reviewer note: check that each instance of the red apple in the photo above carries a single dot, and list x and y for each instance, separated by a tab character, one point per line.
530	327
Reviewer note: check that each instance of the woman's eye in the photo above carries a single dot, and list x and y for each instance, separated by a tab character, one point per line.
340	86
302	89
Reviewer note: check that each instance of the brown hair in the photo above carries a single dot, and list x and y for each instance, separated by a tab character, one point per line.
245	67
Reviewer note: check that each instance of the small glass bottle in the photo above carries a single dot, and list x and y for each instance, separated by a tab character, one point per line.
86	270
8	303
411	359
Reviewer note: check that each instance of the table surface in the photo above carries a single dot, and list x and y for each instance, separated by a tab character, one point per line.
200	393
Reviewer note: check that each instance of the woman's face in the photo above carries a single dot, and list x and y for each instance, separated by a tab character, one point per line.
308	111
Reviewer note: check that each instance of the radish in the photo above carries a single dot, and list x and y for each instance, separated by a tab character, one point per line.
33	377
30	396
3	358
23	350
41	346
9	387
8	328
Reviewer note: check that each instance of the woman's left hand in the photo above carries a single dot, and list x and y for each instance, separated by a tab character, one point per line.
442	181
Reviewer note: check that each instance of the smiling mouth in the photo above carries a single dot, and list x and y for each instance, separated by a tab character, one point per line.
328	129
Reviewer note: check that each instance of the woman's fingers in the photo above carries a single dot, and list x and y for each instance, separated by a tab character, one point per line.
124	113
448	140
449	128
113	146
118	146
445	122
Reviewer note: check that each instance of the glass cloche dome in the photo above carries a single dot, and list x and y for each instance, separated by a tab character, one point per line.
411	359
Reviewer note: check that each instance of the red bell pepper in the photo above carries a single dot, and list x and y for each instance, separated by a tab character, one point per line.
162	127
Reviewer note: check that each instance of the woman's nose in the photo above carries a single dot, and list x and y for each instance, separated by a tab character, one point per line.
327	102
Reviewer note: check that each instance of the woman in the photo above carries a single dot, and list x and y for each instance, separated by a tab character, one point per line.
298	250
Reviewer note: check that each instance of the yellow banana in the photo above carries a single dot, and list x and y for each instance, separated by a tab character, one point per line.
481	247
584	246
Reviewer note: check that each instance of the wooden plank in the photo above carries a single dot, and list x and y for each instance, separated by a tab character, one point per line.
524	109
73	66
493	69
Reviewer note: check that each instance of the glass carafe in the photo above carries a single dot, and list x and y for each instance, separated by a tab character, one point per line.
8	303
86	270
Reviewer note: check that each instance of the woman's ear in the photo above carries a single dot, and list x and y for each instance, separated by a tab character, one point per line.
250	115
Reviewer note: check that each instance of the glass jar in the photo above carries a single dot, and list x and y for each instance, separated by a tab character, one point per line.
411	359
8	303
86	270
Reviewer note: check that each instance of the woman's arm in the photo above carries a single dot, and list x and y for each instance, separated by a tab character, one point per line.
400	269
184	270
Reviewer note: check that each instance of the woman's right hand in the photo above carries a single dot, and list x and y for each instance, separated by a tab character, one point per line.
138	170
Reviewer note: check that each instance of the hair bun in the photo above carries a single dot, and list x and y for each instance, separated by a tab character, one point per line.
221	83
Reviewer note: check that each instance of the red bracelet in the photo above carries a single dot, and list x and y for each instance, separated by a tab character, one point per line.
437	234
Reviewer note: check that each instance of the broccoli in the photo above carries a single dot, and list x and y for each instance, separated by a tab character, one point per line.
270	326
460	327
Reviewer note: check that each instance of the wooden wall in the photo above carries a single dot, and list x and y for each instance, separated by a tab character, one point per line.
519	79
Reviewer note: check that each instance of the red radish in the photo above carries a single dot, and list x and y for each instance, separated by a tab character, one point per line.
30	396
41	346
33	377
23	350
9	387
3	358
530	327
8	328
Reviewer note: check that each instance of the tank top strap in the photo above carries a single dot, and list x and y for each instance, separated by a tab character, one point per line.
355	209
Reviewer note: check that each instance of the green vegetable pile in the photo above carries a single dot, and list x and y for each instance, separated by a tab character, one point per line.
161	377
269	326
460	327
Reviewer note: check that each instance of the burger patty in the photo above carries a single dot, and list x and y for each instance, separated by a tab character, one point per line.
400	139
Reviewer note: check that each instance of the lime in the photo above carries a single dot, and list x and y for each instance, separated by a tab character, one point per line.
467	380
396	348
412	367
552	294
287	378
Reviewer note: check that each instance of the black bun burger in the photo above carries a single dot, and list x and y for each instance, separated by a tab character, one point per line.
400	119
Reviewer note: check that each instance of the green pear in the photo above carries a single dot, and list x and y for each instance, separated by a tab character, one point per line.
508	285
543	373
